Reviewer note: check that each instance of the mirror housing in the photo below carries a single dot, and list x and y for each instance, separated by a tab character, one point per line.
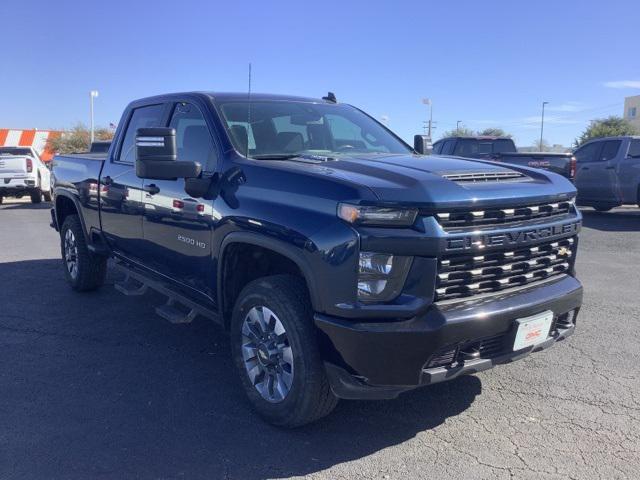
422	144
156	156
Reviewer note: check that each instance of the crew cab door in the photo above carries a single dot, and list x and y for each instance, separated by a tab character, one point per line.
177	227
121	199
597	180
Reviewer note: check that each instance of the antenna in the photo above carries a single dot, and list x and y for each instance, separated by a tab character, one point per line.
248	112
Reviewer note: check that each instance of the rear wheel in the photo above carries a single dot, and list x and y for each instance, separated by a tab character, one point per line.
84	270
36	196
274	347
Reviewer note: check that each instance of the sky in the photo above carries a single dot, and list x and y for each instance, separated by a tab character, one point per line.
486	64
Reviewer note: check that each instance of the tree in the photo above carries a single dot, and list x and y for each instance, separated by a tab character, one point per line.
459	132
493	132
541	146
76	139
606	127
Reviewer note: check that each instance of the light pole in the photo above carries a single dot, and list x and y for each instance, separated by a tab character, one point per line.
427	101
542	124
93	94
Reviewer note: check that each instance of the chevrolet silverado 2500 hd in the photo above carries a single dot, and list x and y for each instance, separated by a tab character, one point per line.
343	264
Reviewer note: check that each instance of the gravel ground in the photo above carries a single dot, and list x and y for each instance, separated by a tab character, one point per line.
96	386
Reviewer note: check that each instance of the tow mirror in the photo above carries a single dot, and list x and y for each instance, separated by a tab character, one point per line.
422	144
156	156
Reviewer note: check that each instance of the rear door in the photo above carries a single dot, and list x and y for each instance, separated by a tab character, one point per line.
121	196
629	171
177	227
607	188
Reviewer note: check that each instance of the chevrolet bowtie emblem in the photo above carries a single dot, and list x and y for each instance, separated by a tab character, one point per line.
563	251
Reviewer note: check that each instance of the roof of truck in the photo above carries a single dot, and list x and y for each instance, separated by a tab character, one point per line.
236	96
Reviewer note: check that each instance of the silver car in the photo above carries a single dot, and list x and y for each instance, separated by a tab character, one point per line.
608	172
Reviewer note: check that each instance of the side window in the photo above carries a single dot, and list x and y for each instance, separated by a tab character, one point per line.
634	149
437	147
588	152
610	150
192	137
141	118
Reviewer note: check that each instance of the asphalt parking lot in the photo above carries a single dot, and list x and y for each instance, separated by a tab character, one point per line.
96	386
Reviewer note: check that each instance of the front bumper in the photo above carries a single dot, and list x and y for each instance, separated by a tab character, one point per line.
382	359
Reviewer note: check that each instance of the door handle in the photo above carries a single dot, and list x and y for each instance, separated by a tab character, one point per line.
107	180
584	168
151	189
610	168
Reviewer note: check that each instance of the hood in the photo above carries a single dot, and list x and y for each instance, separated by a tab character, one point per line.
434	181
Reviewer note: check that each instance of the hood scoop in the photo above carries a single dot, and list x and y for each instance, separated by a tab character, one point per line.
486	177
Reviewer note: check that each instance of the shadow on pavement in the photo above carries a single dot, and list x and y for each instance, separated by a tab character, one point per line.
24	206
616	220
97	385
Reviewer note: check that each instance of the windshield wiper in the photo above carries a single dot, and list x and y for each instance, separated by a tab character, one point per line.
276	156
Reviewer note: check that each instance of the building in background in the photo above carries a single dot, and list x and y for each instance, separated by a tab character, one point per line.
632	110
28	138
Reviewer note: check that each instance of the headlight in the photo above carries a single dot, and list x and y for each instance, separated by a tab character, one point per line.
381	276
381	216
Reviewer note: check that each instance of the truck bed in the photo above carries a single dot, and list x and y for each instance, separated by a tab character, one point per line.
560	163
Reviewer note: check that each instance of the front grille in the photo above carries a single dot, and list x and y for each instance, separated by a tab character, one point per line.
465	275
483	177
462	220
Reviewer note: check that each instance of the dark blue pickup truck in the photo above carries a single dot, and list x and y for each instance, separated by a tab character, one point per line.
344	264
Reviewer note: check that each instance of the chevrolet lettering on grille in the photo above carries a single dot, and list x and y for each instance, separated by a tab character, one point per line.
511	238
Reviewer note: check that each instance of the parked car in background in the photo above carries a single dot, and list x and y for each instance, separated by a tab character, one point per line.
503	149
22	172
608	172
561	163
474	147
343	264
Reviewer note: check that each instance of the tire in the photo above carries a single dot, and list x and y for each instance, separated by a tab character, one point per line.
602	208
284	299
36	196
1	199
47	196
84	270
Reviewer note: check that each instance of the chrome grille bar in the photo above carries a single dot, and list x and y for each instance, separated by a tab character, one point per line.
466	275
461	220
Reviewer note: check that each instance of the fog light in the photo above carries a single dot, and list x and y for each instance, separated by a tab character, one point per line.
381	276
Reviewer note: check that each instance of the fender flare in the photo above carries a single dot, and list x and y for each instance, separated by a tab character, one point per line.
78	207
285	249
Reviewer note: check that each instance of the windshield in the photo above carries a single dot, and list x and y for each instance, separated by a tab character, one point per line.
286	128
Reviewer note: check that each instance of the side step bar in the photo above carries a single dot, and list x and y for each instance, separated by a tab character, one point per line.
178	308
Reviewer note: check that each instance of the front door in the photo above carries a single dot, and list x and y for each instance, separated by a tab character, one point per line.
177	227
120	190
601	173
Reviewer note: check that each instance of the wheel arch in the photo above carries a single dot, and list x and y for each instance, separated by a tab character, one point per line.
65	205
292	254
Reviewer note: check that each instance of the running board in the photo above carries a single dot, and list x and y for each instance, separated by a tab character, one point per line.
130	287
171	313
178	309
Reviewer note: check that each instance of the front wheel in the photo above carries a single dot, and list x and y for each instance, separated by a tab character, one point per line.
84	270
274	347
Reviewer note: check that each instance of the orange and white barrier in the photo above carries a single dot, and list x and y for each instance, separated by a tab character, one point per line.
28	138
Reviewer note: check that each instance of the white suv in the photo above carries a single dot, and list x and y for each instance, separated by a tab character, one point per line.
22	172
